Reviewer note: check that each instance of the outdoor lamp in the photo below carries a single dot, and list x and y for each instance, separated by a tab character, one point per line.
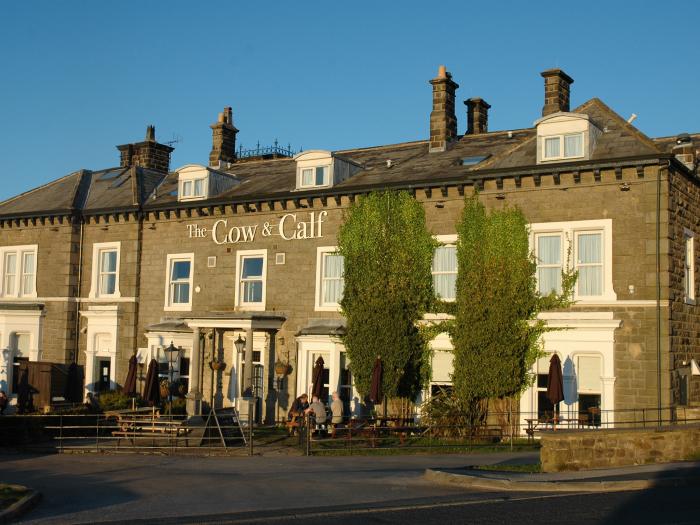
171	352
240	344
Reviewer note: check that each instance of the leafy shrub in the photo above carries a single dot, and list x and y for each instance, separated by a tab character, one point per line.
446	415
115	400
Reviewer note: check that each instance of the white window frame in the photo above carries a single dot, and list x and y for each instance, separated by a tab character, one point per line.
98	249
170	260
562	254
569	231
689	267
320	305
562	155
193	195
240	256
446	240
19	252
327	176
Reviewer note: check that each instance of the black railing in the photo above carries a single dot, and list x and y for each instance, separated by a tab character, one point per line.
266	151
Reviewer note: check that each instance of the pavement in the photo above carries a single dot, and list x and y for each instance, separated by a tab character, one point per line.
140	489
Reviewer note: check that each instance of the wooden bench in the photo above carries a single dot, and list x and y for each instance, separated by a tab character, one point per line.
147	424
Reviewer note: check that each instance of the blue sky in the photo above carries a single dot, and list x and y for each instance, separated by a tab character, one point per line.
78	78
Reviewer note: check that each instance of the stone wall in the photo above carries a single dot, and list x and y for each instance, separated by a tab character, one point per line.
617	448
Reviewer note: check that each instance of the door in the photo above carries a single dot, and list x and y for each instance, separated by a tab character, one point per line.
258	390
104	367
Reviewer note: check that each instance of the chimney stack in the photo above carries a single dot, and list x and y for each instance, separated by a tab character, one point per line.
684	150
477	115
223	146
148	154
557	87
443	121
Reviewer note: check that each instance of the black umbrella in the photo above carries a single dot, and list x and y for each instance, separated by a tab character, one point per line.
555	384
151	390
73	392
317	376
129	387
375	388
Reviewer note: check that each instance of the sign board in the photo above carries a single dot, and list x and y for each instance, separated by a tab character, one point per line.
223	425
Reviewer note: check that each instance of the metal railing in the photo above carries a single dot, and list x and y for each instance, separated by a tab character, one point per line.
260	151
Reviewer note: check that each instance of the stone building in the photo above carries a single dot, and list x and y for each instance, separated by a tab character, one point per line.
100	265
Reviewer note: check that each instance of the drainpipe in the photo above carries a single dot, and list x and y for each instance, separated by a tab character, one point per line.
658	295
77	297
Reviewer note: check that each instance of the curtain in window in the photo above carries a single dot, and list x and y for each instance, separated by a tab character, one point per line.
549	263
445	272
333	282
590	264
307	177
251	276
108	272
28	273
10	273
573	145
589	374
551	147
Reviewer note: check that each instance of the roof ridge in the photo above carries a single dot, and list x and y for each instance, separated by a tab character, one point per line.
626	125
397	144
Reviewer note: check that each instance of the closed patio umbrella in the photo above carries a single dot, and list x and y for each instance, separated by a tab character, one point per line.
317	377
74	385
151	390
129	387
375	388
555	385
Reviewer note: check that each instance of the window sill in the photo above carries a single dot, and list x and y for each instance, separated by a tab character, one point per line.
690	301
178	308
327	308
251	307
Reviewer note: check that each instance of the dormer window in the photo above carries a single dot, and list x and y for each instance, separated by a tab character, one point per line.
322	169
568	146
565	136
193	188
316	176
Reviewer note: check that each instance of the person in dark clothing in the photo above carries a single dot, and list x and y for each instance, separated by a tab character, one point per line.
3	402
295	415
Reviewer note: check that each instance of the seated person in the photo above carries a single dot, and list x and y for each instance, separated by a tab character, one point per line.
297	410
336	412
318	410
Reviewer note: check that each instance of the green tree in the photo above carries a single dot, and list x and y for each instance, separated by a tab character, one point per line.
496	333
388	254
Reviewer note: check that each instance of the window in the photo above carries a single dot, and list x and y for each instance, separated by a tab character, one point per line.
330	281
589	244
178	293
184	374
589	263
549	263
193	189
105	270
563	146
445	272
314	176
589	388
251	274
689	268
545	408
18	271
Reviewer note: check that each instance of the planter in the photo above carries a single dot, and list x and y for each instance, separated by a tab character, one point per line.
217	365
281	369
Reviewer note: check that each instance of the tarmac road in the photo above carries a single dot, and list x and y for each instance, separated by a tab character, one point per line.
358	489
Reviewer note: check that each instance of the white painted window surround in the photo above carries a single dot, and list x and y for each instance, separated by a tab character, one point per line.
329	279
18	266
104	281
179	270
689	267
251	279
590	245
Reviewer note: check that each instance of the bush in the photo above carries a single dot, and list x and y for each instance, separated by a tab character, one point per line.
115	400
448	416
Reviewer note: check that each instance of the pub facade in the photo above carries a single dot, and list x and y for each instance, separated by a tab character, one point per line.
234	261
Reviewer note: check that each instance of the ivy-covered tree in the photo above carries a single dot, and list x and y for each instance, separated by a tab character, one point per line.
496	333
387	254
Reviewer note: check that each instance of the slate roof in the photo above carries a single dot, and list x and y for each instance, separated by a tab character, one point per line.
411	164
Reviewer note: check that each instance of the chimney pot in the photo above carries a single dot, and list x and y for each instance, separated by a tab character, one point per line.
148	154
557	89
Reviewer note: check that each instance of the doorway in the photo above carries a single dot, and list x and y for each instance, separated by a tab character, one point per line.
104	369
325	378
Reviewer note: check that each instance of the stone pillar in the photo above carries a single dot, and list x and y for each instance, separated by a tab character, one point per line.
607	402
556	91
477	115
443	121
248	380
194	396
218	355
